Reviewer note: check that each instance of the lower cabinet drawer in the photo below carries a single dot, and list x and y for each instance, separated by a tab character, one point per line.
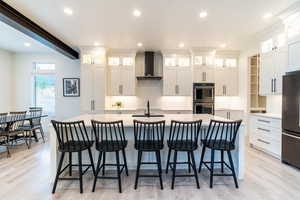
267	144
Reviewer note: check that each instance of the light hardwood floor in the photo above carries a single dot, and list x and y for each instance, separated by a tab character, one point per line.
26	176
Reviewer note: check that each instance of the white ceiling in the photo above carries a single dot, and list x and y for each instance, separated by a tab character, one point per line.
13	40
163	24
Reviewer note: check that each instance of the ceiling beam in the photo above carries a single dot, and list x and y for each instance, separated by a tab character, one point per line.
12	17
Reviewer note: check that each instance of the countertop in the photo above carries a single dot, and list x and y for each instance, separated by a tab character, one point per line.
128	119
269	115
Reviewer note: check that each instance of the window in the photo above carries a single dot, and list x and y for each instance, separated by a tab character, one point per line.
198	60
114	61
127	61
44	87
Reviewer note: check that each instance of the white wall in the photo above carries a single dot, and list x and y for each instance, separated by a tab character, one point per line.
5	80
65	107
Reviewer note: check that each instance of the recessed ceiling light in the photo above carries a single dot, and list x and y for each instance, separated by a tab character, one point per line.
139	44
137	13
268	15
68	11
203	14
222	45
181	45
27	44
96	44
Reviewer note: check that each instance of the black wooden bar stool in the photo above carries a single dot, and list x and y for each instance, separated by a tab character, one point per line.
183	137
220	136
110	137
72	138
149	137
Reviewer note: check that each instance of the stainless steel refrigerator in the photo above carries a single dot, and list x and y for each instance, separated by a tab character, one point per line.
291	119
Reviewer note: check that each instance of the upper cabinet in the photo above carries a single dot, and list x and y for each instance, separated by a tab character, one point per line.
177	73
293	55
121	74
93	80
271	71
219	69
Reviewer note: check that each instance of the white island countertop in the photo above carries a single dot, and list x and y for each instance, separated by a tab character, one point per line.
128	119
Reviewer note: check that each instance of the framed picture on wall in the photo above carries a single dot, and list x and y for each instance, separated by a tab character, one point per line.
71	87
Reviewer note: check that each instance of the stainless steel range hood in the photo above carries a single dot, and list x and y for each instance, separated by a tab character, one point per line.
149	67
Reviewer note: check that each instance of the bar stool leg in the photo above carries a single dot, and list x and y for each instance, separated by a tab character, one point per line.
194	168
58	171
202	157
222	161
80	170
212	167
97	171
125	162
168	161
92	161
174	169
189	161
119	171
138	169
103	168
232	169
158	160
70	163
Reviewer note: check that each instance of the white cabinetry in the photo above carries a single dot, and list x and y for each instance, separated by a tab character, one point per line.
271	71
226	81
203	72
265	134
178	78
293	55
93	81
121	75
230	114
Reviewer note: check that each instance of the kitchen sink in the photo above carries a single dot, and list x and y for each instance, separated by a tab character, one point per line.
151	115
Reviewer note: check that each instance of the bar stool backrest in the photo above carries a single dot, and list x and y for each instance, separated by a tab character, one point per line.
148	133
184	131
109	132
19	117
36	113
3	117
220	131
69	133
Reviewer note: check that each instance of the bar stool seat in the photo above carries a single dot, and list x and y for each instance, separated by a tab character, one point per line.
184	145
148	145
220	145
111	146
75	146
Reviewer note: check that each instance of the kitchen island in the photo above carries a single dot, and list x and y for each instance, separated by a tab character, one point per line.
131	153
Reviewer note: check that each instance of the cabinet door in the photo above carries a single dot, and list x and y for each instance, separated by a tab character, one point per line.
169	82
115	81
86	90
266	74
226	80
204	74
293	56
128	81
184	82
232	82
99	89
281	63
222	113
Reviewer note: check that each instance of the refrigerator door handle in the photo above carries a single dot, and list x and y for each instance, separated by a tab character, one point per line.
291	136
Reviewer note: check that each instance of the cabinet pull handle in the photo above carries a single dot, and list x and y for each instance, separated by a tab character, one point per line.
120	89
262	129
260	140
91	105
203	78
274	84
177	89
265	121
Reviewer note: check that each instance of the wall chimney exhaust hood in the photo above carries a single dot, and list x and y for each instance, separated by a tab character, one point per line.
149	67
